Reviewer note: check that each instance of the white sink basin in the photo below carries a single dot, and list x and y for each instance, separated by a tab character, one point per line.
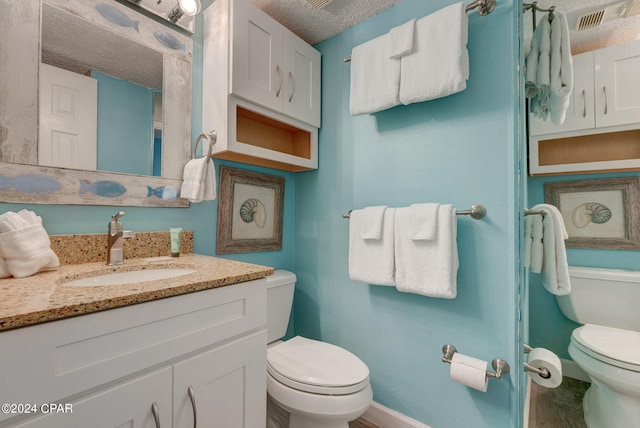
119	278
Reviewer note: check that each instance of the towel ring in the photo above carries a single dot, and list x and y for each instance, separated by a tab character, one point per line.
211	137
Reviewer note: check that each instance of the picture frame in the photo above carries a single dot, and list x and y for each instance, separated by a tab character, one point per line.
601	213
250	211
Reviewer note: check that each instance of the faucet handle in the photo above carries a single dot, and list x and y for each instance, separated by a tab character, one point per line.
115	217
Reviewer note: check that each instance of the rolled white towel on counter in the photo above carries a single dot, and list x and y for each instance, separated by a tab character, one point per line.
24	244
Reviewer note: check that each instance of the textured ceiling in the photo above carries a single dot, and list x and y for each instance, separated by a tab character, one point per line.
316	25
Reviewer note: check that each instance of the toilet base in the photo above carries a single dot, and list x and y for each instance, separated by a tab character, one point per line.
605	408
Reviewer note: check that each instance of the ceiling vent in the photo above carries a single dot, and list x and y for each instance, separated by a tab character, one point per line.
594	17
633	9
318	4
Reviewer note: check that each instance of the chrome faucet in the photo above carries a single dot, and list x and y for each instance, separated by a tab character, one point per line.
115	239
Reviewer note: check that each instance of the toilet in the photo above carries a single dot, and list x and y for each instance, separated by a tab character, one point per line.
607	346
318	384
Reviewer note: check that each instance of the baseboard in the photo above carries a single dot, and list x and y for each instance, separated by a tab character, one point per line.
385	417
573	370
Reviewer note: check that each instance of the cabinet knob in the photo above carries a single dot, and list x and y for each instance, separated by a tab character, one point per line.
192	397
292	79
156	413
279	71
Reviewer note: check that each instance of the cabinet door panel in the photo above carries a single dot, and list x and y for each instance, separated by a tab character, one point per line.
229	385
124	405
302	66
616	85
580	113
258	69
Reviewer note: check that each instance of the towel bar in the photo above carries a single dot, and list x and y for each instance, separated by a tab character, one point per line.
528	211
500	366
484	7
476	211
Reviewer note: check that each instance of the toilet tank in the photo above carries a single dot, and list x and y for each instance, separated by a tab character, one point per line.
607	297
280	286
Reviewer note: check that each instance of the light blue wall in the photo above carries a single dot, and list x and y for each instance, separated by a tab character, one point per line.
548	327
125	125
460	150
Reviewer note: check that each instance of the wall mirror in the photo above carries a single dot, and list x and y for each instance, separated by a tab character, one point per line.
95	106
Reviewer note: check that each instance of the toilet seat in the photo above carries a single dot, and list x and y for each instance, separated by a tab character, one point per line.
614	346
316	367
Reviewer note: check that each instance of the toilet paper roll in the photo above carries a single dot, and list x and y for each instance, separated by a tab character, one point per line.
469	371
543	358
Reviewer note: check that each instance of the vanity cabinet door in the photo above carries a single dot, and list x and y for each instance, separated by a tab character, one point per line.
223	387
617	92
258	56
580	113
126	404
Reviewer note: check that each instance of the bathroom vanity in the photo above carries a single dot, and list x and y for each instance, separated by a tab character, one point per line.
164	353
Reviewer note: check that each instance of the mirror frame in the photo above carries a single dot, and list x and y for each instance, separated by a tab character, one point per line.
27	182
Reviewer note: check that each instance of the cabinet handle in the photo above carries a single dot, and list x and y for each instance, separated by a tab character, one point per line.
279	70
584	104
192	397
292	78
156	413
606	104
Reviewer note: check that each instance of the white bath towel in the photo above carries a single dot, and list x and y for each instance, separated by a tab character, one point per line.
561	69
375	78
24	244
199	180
555	269
401	39
372	221
371	260
427	267
539	105
533	57
439	64
422	221
533	242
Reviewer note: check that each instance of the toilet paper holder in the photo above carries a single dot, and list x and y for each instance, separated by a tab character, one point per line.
541	371
500	366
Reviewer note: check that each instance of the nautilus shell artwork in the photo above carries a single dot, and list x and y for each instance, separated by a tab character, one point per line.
590	212
252	210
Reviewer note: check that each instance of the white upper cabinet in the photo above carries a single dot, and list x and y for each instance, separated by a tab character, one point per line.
261	89
272	66
617	91
606	92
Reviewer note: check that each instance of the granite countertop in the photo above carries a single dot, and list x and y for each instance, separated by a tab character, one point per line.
43	297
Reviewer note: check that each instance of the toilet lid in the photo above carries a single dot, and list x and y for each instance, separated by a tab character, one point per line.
318	367
618	347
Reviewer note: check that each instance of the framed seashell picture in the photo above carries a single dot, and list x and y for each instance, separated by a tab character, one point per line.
250	211
602	213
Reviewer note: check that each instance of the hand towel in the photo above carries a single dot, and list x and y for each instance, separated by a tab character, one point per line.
371	260
528	228
24	244
439	64
555	269
427	267
539	105
375	79
372	220
537	248
199	180
401	39
422	220
561	69
533	57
